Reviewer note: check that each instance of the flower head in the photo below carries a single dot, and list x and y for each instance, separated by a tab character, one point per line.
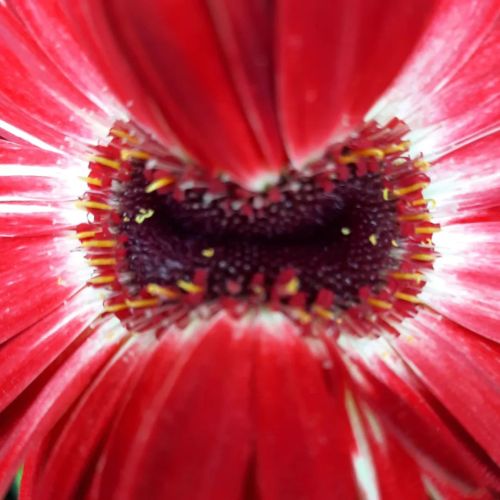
250	249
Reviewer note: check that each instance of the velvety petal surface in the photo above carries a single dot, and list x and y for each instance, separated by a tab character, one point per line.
239	83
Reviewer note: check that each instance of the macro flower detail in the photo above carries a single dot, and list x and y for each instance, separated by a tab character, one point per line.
250	249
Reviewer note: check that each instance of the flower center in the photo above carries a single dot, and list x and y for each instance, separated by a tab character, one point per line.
346	236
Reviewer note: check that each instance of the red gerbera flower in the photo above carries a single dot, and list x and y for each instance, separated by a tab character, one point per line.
250	249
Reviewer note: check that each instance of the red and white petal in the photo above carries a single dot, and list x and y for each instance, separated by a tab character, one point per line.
37	102
76	445
421	421
31	416
436	348
25	356
463	285
465	183
448	92
39	274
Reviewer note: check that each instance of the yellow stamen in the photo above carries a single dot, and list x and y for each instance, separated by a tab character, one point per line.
303	316
381	304
162	291
124	135
208	253
427	230
142	303
385	194
99	243
101	280
189	287
423	257
424	201
373	239
158	184
408	276
407	297
397	148
93	204
93	181
364	153
422	164
106	162
415	217
115	308
86	234
103	261
127	154
410	189
324	313
345	231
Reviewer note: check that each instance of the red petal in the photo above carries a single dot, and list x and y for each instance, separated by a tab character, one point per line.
335	58
419	421
37	102
25	356
39	274
77	442
43	404
194	421
304	442
437	348
456	57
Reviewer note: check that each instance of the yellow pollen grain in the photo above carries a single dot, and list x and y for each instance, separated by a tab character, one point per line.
292	287
93	181
103	262
106	162
407	297
97	205
101	280
189	287
394	243
143	215
161	291
415	217
99	243
408	276
127	154
142	303
380	304
124	135
410	189
208	253
397	148
424	201
323	313
423	257
345	231
158	184
385	194
373	239
427	230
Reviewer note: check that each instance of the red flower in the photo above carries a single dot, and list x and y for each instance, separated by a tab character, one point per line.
268	294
